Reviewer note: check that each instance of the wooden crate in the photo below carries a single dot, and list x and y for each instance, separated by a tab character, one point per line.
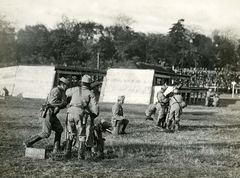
35	153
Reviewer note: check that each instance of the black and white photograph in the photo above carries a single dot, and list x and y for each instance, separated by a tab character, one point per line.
120	88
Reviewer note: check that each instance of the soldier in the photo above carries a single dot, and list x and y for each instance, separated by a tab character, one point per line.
82	105
55	101
163	101
176	105
215	100
96	89
208	99
151	111
99	128
118	120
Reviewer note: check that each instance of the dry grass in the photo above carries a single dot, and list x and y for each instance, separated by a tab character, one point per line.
206	146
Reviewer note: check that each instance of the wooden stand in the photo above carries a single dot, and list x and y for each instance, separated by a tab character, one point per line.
35	153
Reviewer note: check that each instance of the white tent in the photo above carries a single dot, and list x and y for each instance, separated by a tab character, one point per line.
135	84
28	81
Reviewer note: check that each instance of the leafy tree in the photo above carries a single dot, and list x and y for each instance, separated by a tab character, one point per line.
226	51
33	44
7	43
177	39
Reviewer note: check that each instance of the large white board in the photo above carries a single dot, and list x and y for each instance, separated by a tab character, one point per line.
7	78
34	81
135	84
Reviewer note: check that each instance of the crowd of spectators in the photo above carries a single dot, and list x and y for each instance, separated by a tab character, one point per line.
201	77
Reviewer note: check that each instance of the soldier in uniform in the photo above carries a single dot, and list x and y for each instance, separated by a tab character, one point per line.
119	123
82	105
209	98
55	101
151	111
215	100
163	101
99	128
176	105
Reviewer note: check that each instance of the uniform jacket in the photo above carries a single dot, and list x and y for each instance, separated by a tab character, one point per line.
75	103
177	101
117	111
161	98
209	94
57	98
82	98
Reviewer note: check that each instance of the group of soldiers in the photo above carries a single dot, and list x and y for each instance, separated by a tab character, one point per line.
81	100
168	108
81	129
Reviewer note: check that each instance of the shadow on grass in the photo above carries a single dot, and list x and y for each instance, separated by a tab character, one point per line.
201	113
194	127
216	145
226	102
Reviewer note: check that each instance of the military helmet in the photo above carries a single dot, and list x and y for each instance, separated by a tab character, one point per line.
64	80
86	79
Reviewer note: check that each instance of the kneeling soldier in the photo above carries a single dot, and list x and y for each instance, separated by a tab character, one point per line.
118	120
98	149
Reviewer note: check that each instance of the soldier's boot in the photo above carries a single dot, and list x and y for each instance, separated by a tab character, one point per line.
123	128
81	150
57	141
168	124
31	141
158	123
174	125
88	153
100	153
68	150
177	125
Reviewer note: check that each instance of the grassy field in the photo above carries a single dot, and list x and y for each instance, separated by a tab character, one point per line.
208	144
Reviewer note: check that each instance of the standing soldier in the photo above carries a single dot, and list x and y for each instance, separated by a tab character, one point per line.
163	101
209	99
55	101
176	104
215	100
118	120
82	105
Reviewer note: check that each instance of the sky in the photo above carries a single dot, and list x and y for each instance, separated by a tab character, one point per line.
150	16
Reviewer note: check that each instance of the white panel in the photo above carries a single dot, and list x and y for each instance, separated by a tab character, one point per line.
7	78
34	81
135	84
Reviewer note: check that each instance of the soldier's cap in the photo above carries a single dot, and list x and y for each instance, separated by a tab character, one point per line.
121	97
105	123
86	79
64	80
175	91
163	87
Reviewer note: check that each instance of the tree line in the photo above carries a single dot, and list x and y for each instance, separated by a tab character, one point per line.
74	43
